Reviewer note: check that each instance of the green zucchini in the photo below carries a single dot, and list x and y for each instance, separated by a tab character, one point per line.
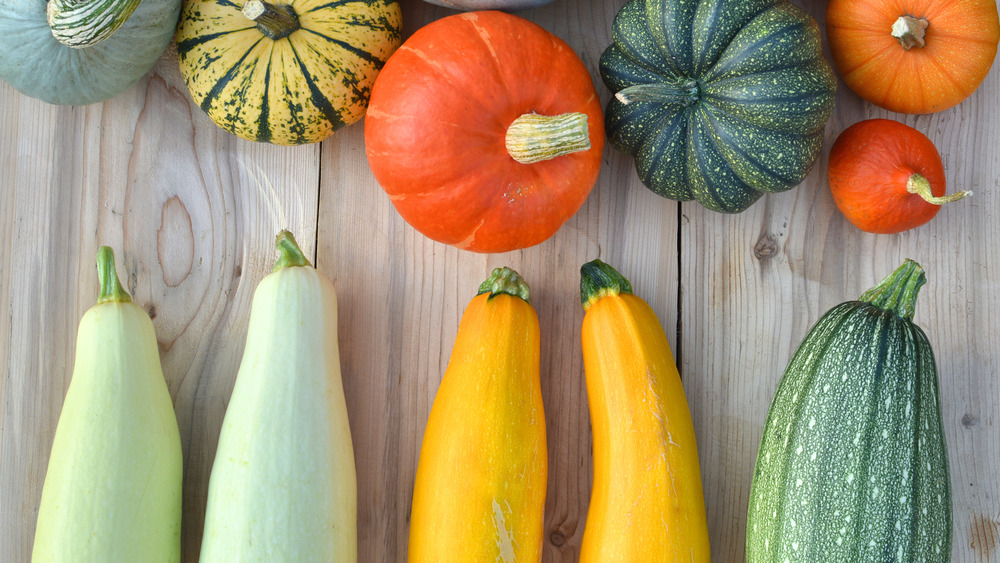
852	465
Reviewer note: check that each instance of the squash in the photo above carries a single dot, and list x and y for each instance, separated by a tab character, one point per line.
283	484
112	490
82	52
289	73
852	465
719	100
647	502
506	5
887	177
479	493
485	131
913	56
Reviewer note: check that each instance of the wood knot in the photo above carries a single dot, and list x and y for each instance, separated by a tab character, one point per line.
557	538
175	242
969	421
765	248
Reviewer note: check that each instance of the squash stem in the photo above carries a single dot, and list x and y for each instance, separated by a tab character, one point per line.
598	280
534	138
111	290
274	21
910	31
917	184
506	281
291	254
897	293
685	92
79	24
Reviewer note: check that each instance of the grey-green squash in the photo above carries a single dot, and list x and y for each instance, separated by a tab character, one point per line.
289	73
82	52
852	465
718	100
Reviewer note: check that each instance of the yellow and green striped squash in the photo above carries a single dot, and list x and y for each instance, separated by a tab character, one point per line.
287	74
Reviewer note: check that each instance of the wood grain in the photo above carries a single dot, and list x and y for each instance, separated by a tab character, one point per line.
192	211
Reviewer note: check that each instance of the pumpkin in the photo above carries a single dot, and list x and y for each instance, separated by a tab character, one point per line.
913	56
852	464
82	52
887	177
719	100
506	5
289	73
479	493
647	502
485	131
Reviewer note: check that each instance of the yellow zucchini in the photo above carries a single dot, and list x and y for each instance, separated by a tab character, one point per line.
283	484
112	491
647	502
479	493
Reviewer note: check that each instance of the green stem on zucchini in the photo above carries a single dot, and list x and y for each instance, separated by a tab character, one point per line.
111	290
917	184
534	138
274	21
79	24
910	31
683	91
506	281
291	254
897	293
598	280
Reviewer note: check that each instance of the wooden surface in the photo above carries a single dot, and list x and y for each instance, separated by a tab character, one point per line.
192	212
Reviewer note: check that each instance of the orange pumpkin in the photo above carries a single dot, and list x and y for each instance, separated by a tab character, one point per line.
887	177
913	56
486	131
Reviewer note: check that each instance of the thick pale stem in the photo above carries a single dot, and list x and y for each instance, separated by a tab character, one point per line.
910	31
917	184
507	282
534	138
291	254
111	290
684	92
274	21
598	280
83	23
897	293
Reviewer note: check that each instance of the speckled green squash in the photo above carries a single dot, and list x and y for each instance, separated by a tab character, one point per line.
717	100
852	465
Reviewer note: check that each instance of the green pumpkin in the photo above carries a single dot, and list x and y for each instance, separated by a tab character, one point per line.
82	52
717	100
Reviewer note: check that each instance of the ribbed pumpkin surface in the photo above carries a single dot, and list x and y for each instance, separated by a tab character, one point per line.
739	96
294	90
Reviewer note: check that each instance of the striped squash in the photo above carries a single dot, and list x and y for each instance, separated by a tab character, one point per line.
717	100
852	465
287	74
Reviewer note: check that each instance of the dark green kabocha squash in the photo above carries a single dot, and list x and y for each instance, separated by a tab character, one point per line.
717	100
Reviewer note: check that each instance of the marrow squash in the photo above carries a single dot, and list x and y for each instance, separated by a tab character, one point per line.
112	491
479	493
283	484
852	465
647	502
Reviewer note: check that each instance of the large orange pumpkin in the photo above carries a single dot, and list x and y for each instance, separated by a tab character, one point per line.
913	56
486	131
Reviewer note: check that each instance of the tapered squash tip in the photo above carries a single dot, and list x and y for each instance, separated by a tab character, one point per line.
897	293
111	290
598	280
506	281
291	254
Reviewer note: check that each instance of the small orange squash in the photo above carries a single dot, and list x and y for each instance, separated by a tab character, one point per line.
479	493
913	56
647	502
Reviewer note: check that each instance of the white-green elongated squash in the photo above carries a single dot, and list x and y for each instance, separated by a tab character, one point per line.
112	491
283	485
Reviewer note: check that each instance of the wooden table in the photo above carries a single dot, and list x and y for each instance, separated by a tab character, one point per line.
192	212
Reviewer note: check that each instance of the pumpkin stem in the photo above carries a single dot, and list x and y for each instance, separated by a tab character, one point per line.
79	24
534	138
684	91
111	290
506	281
910	31
598	280
291	254
274	21
897	293
917	184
